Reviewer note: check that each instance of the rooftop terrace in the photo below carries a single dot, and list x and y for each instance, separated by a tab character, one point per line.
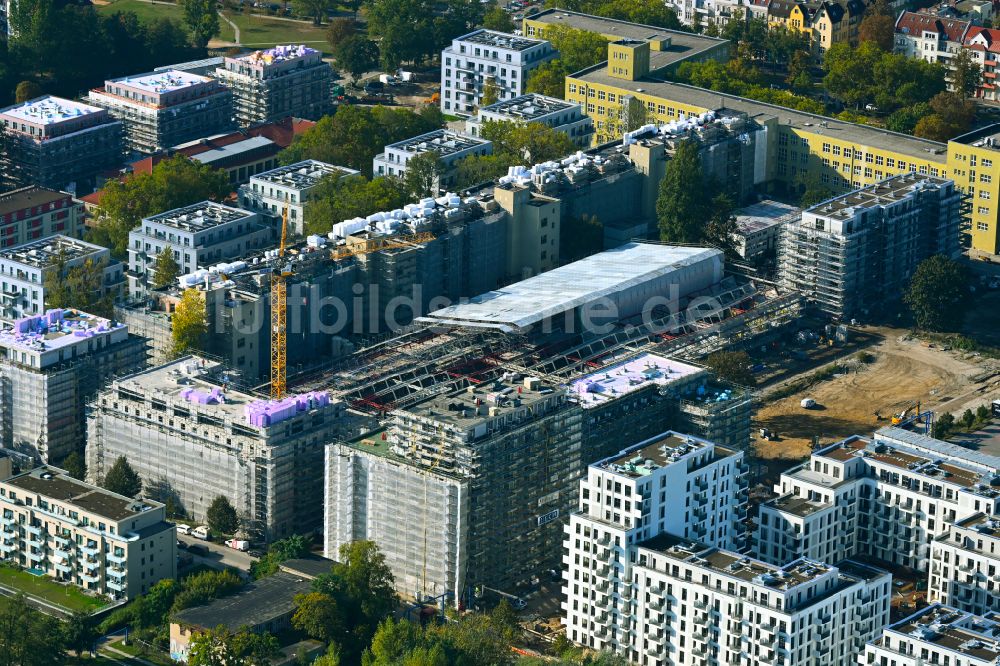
163	81
646	457
798	506
626	377
528	107
302	175
47	251
500	40
276	54
55	484
48	110
764	214
443	141
200	216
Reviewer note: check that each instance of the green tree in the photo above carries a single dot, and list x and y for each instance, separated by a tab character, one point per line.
165	268
868	75
580	237
682	205
495	18
314	9
966	74
814	193
476	169
356	55
401	28
201	18
339	30
938	294
122	479
983	414
578	49
78	632
335	200
732	366
968	419
422	174
75	466
284	549
187	325
221	516
221	647
526	142
80	287
27	637
318	615
331	658
27	90
944	426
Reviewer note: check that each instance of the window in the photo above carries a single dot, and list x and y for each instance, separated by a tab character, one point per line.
572	87
982	226
986	164
985	178
826	147
983	210
836	150
890	162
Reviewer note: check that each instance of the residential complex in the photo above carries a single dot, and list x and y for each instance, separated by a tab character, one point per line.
853	254
759	227
160	110
51	365
191	437
965	565
58	143
937	634
199	235
449	146
486	58
887	497
534	108
30	213
288	188
24	269
105	543
276	83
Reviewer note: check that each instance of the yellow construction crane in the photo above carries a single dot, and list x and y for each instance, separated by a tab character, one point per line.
279	312
358	246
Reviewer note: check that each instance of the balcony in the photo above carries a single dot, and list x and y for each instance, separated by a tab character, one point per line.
90	551
62	555
6	548
116	559
35	557
8	521
115	571
64	542
87	578
116	586
63	568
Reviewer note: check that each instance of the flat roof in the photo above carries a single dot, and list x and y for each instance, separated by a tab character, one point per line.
258	603
798	506
220	153
301	175
469	406
619	379
885	192
49	110
444	141
56	484
710	100
684	42
657	452
529	107
29	197
47	251
555	292
501	40
952	629
765	214
54	329
311	566
164	81
200	216
276	54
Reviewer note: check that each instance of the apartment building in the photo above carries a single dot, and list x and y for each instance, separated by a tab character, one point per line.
58	143
498	464
854	254
759	227
24	268
965	565
449	146
107	544
278	82
288	187
191	437
199	235
51	365
937	634
30	213
160	110
887	497
929	37
553	112
635	588
983	44
487	57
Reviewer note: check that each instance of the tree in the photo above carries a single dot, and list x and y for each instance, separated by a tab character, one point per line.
476	169
221	647
339	30
868	75
966	74
75	466
530	142
122	479
314	9
318	616
495	18
188	325
201	18
78	632
80	287
356	55
732	367
27	90
938	294
27	637
401	28
814	193
877	28
682	206
221	516
335	200
968	419
944	426
491	92
578	49
281	550
983	413
580	237
422	174
165	268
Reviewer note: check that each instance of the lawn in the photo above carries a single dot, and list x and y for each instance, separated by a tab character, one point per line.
262	31
148	11
160	658
46	589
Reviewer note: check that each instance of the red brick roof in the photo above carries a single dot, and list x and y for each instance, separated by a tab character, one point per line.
915	23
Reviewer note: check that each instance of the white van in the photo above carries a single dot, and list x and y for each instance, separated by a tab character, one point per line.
184	529
200	532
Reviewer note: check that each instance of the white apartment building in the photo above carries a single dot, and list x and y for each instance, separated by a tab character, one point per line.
450	148
53	524
270	192
560	115
658	598
484	55
965	565
929	37
23	269
938	635
199	235
887	497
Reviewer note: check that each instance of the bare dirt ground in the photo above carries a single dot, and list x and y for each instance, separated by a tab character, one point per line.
905	370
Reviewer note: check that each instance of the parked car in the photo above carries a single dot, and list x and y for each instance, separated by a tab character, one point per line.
238	544
183	529
198	549
201	532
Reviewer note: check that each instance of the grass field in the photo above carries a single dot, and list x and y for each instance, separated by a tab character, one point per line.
160	658
41	587
147	11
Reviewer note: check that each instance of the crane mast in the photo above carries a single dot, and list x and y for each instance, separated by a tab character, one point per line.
279	312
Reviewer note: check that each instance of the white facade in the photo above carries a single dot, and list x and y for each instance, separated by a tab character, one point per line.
657	598
86	536
484	55
940	635
560	115
887	497
965	565
450	147
199	235
288	186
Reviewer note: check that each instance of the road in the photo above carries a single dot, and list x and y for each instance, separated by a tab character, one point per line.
219	555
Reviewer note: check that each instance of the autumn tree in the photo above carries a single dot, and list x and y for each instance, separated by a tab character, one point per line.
187	324
878	25
26	90
732	366
165	268
318	615
491	92
122	479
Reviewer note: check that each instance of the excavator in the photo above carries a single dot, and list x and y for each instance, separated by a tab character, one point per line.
902	416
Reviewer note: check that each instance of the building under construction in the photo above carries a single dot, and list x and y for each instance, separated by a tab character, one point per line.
191	438
278	82
854	254
51	365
